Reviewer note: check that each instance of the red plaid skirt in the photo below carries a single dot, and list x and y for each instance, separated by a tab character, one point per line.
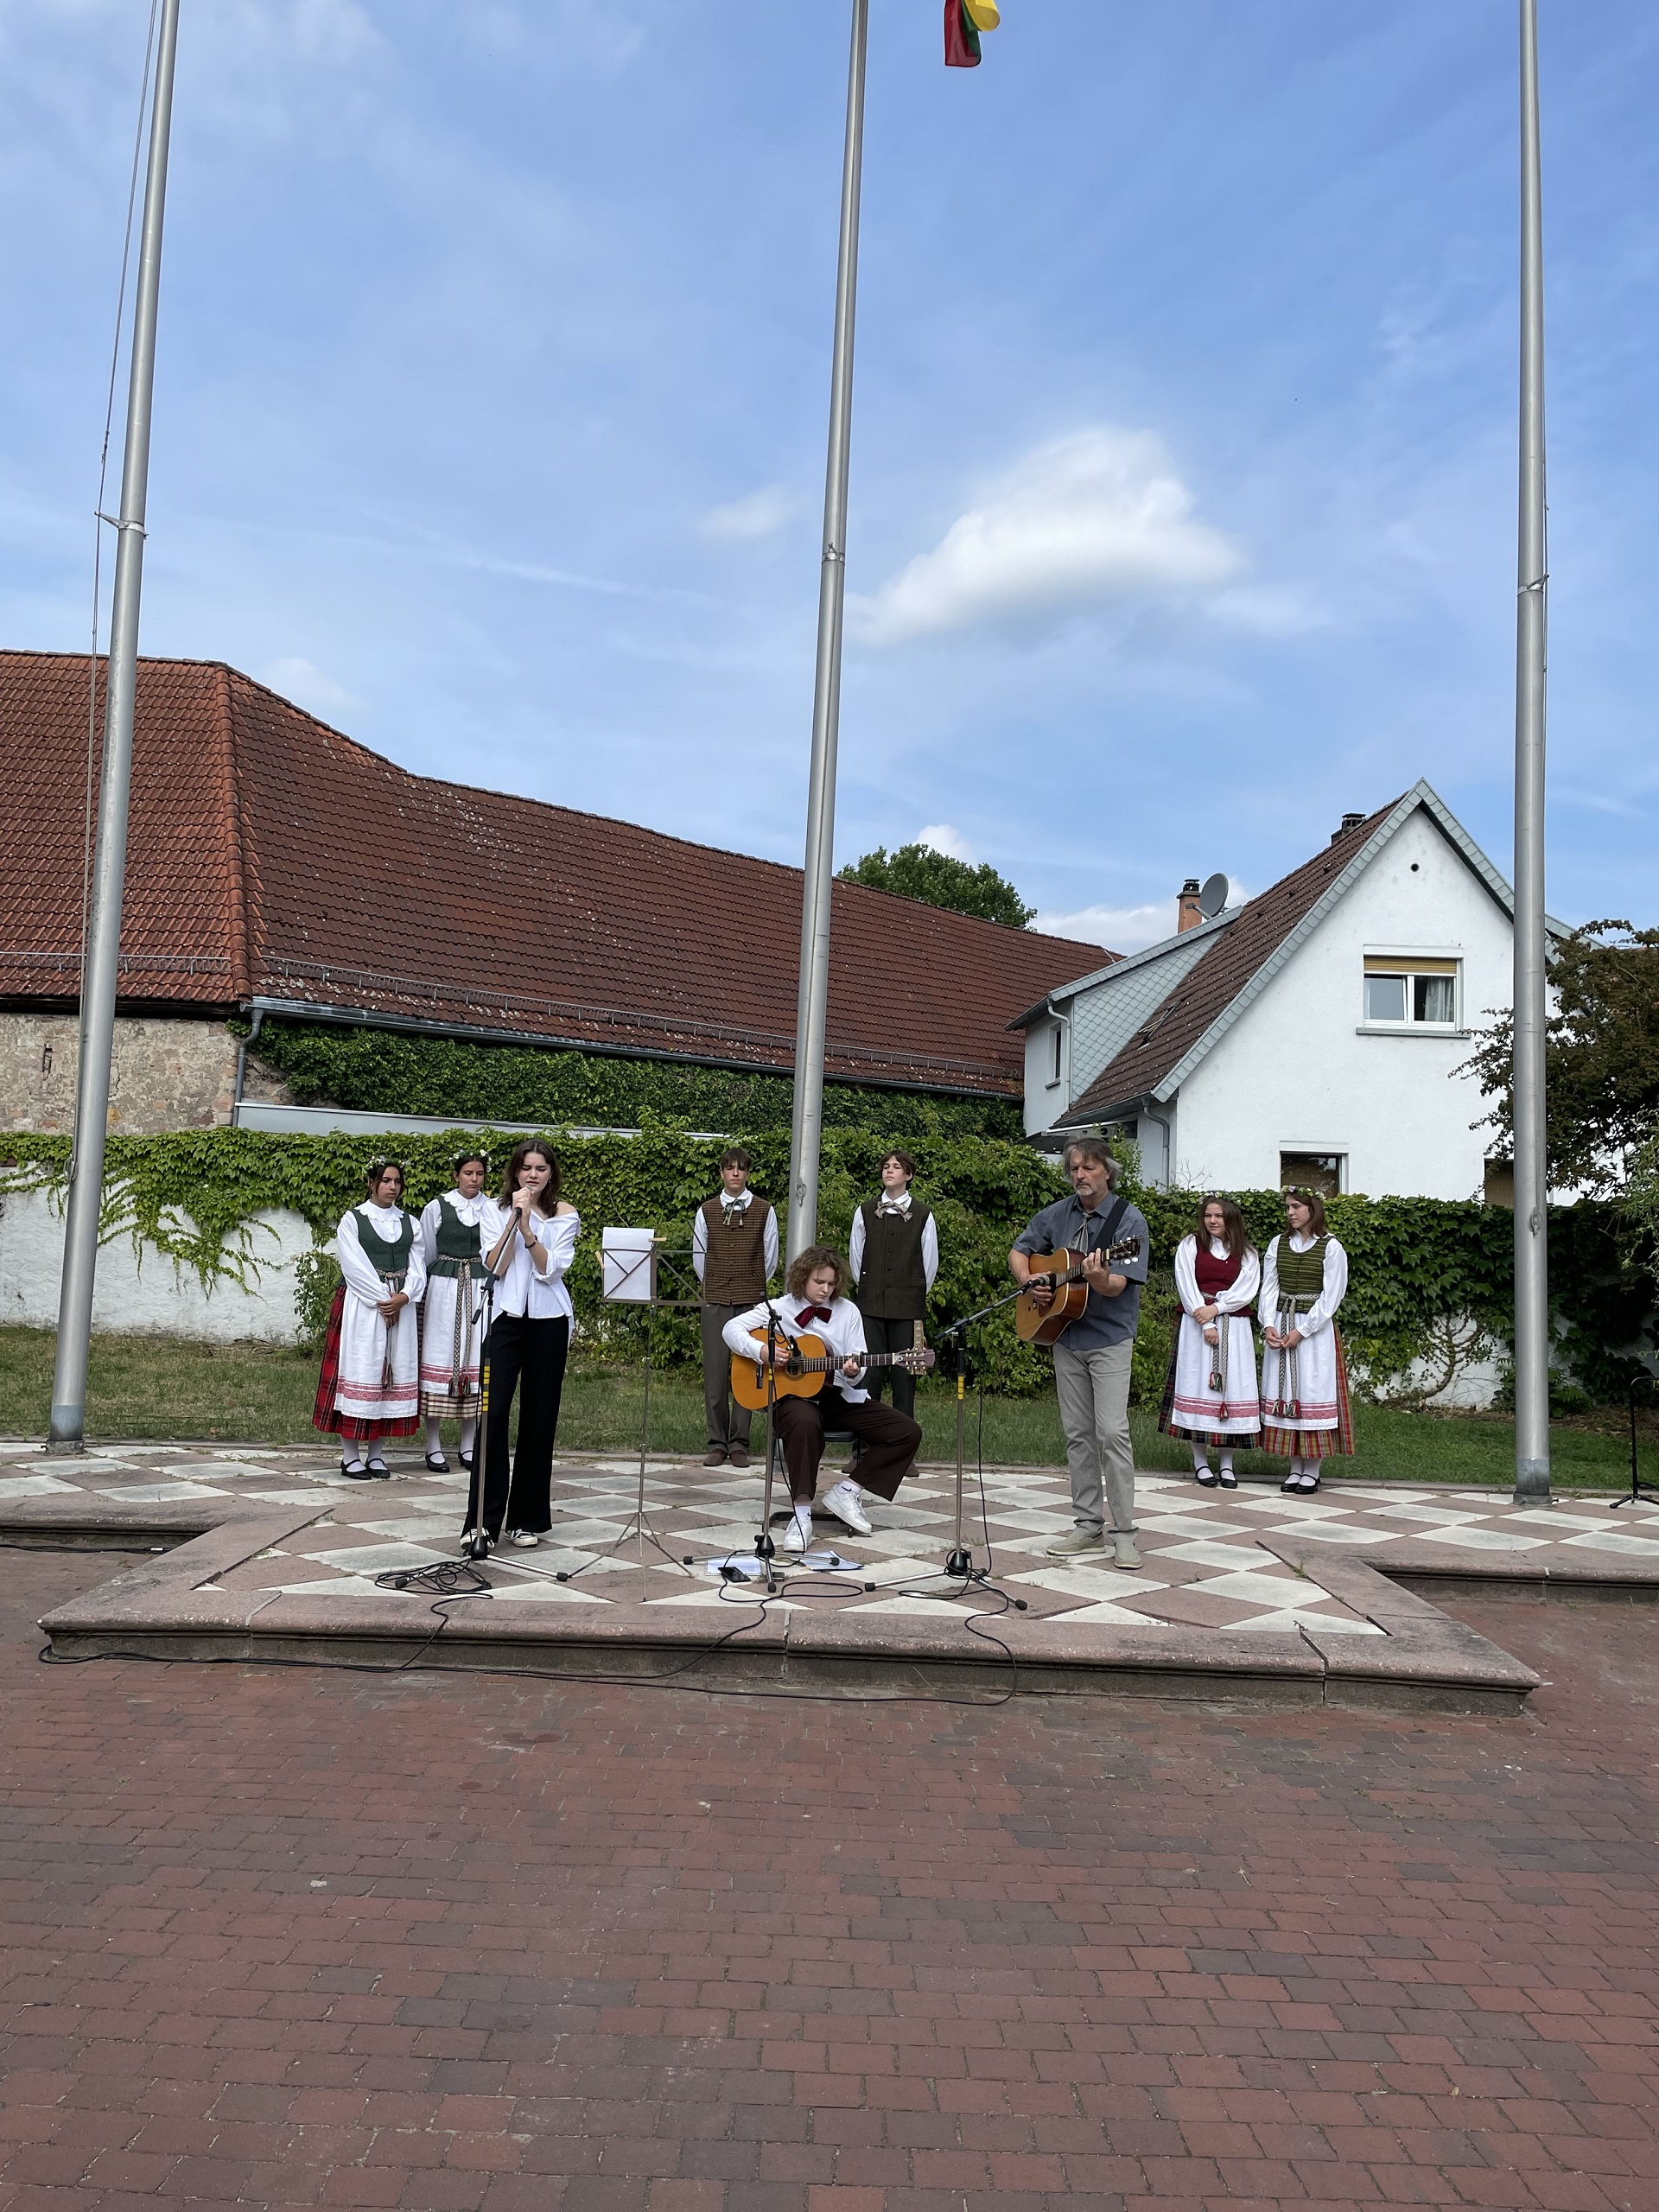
1316	1443
326	1414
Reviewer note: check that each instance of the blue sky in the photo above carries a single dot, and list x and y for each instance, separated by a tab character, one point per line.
493	382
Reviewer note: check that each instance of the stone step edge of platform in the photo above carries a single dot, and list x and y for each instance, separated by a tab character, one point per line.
164	1609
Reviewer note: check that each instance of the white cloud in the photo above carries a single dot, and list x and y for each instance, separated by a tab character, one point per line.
307	685
760	514
1124	929
1096	517
940	837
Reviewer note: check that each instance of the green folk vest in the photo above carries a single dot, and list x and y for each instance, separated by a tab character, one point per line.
388	1260
457	1243
1301	1275
893	1282
734	1256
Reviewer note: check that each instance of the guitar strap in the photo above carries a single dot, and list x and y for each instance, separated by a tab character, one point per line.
1109	1220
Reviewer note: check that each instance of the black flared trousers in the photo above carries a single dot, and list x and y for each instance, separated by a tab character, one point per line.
527	1356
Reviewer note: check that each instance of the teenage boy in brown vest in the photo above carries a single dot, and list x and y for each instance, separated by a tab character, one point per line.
894	1255
735	1251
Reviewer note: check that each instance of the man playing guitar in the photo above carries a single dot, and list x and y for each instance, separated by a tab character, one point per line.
813	1305
1091	1360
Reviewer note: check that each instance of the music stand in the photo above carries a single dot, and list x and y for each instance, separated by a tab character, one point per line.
1637	1495
637	1269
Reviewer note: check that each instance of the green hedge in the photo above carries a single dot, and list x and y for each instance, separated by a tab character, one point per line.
385	1071
192	1197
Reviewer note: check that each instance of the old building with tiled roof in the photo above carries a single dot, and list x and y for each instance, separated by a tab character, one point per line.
1316	1033
275	866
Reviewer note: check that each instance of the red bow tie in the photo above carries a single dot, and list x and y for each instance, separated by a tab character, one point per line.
813	1313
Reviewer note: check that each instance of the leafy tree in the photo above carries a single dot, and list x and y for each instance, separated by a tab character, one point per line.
1601	1057
918	872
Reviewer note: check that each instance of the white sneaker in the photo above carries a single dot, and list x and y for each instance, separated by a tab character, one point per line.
846	1501
525	1539
797	1537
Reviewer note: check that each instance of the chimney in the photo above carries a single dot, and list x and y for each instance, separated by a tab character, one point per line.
1188	912
1348	821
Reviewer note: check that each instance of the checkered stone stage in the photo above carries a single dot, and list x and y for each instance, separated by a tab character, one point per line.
1203	1566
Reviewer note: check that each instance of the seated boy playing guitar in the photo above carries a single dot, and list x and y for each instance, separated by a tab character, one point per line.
812	1305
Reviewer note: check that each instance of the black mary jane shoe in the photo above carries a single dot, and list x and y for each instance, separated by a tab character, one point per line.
359	1474
1306	1488
464	1461
437	1463
1206	1480
1228	1479
1291	1486
379	1471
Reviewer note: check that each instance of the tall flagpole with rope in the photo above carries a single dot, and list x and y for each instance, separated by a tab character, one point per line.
963	20
102	957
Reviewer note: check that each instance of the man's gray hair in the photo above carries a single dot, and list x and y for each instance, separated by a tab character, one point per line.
1092	1148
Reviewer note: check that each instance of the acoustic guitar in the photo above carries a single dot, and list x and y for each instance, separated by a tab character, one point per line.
810	1366
1045	1325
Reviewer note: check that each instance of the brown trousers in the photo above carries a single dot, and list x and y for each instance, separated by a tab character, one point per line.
889	1440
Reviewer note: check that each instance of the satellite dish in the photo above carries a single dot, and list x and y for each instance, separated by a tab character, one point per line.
1213	897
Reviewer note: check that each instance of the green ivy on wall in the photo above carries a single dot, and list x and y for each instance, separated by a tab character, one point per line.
385	1071
194	1196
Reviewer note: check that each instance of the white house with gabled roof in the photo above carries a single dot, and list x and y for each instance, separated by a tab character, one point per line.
1314	1034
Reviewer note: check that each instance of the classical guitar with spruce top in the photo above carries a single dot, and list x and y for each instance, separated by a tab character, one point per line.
1045	1325
810	1365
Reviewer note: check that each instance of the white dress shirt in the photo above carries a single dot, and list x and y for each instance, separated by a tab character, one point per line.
359	1271
929	1238
1239	1294
842	1334
1334	1282
739	1204
471	1210
522	1288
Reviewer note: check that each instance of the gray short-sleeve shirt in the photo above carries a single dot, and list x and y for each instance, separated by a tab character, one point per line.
1104	1321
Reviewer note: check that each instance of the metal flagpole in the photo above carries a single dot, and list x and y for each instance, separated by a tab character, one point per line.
807	1122
99	978
1531	1182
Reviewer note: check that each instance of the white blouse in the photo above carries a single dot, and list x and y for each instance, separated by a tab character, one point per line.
359	1271
843	1334
1238	1294
1331	1295
539	1293
471	1210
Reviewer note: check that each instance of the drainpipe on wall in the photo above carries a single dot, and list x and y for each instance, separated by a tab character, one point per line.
1165	1123
242	1062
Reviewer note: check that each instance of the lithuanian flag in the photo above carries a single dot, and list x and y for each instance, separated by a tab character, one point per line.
963	22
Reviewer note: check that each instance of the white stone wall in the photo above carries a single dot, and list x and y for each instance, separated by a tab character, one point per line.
142	1292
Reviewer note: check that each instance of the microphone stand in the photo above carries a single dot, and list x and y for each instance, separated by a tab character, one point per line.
960	1559
765	1549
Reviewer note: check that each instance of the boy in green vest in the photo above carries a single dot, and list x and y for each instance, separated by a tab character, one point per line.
735	1251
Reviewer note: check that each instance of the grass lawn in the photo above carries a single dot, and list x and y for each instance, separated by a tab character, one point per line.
165	1387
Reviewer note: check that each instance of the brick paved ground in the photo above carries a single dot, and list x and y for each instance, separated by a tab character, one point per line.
292	1938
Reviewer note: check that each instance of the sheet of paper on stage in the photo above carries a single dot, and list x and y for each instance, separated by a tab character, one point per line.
625	1257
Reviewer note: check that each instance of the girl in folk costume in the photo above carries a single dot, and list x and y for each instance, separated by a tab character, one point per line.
369	1389
529	1235
1304	1382
1210	1396
452	1310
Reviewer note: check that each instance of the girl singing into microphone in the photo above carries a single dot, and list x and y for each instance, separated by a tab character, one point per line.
528	1234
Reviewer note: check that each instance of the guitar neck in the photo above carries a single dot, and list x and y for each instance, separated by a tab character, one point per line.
865	1359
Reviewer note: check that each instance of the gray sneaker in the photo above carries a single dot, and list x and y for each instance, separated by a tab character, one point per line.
1123	1553
1079	1540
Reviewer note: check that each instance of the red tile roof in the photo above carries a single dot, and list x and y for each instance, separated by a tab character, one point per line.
269	856
1237	954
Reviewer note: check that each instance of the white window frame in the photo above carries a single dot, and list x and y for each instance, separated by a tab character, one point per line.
1413	960
1337	1152
1056	1075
